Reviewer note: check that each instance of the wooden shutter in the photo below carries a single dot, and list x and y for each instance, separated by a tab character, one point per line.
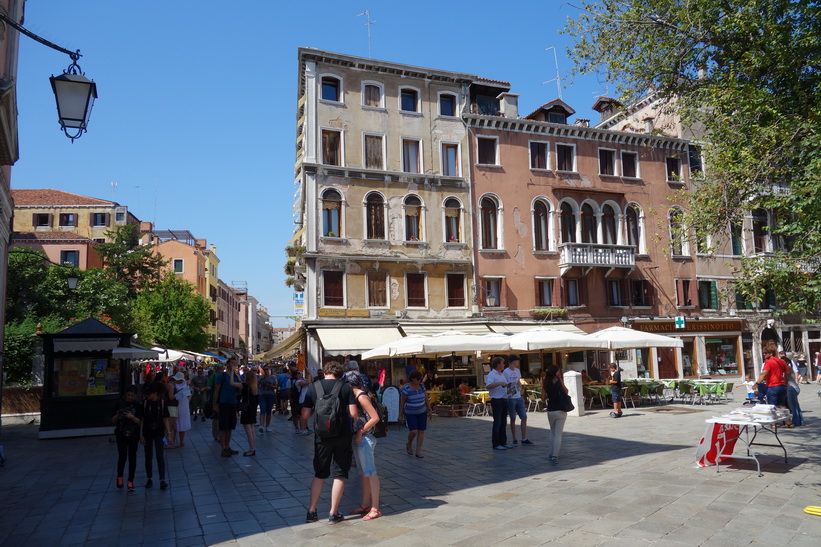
416	290
456	290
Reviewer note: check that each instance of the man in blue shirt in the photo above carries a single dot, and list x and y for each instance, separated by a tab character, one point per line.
284	390
225	405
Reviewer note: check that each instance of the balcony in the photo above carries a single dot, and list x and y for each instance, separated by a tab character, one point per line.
592	255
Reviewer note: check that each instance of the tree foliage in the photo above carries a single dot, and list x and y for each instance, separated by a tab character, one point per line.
173	314
18	346
126	261
747	73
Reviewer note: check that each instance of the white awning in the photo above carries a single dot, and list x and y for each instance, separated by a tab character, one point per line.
133	353
85	344
521	327
355	341
438	328
286	348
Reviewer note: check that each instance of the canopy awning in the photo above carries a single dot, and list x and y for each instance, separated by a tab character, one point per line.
134	353
287	347
85	344
356	341
439	328
219	358
522	327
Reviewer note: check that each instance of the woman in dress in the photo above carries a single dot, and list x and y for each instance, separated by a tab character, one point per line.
414	404
364	444
553	390
248	417
182	394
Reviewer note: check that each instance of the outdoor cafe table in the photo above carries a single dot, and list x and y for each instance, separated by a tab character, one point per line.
483	396
724	432
434	396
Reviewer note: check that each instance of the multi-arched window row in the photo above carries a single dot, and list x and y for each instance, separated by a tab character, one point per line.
588	222
332	90
376	217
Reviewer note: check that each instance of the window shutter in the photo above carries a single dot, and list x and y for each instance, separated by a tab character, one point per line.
76	218
107	219
34	219
50	220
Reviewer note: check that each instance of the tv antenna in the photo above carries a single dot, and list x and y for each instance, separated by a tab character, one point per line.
114	188
368	24
558	78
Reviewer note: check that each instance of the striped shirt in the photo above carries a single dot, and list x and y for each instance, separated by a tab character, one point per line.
415	401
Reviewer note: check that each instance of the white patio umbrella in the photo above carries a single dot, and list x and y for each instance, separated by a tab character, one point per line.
541	338
622	338
409	345
460	342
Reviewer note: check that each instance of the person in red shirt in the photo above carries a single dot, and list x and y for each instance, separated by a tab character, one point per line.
774	374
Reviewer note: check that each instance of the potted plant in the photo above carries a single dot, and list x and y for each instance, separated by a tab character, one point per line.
548	313
452	403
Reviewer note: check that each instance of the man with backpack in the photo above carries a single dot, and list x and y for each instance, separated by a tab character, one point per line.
333	405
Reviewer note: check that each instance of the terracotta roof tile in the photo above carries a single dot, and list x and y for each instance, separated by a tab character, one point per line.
54	198
21	237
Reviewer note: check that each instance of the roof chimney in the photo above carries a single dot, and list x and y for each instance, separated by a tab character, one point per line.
648	124
509	104
581	122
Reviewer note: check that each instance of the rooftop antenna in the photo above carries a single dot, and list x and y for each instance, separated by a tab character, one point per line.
558	78
113	188
367	14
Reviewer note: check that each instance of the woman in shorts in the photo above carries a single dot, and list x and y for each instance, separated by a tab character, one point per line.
364	444
414	404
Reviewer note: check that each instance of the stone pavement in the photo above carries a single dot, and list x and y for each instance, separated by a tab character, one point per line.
628	480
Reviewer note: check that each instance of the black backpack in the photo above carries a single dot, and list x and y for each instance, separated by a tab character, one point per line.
327	421
381	428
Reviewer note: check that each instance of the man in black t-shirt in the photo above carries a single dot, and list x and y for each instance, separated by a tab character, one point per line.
336	450
615	390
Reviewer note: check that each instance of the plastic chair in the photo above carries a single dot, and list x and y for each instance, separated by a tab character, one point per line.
728	392
628	395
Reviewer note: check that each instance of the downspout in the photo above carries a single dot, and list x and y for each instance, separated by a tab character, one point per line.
468	138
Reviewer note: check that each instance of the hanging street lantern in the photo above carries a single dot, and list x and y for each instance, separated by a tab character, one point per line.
75	96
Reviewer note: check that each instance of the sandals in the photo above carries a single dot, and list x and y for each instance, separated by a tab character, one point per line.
409	449
131	486
250	453
361	510
120	483
372	514
420	456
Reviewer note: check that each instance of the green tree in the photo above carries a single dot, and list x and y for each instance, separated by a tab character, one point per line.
125	260
747	72
18	346
173	315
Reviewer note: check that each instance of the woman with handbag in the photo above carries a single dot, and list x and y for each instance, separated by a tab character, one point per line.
555	392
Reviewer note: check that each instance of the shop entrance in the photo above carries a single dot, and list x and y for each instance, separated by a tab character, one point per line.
666	363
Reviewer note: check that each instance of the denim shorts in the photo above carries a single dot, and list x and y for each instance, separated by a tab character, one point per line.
417	422
364	456
516	407
616	397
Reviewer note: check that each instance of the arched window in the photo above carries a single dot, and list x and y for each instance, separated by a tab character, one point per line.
608	219
372	95
540	231
331	89
453	220
331	214
678	241
413	218
375	211
588	224
489	223
568	220
633	227
761	231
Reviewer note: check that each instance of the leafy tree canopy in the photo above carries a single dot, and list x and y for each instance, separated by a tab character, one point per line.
173	314
125	260
747	72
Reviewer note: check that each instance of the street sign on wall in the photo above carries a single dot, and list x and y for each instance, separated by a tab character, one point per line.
299	303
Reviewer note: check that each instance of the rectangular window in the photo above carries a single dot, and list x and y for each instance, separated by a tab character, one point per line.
372	96
735	238
331	147
450	163
377	289
629	165
120	217
538	155
374	158
333	288
447	105
178	265
556	117
70	257
330	89
614	296
573	293
41	220
565	157
707	295
673	170
486	150
607	162
544	294
99	219
742	302
410	156
408	100
694	159
493	292
641	293
456	290
68	219
683	298
416	290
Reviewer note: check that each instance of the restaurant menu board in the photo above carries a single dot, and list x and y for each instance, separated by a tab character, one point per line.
89	377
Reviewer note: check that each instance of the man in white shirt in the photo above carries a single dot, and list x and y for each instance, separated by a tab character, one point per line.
515	402
496	386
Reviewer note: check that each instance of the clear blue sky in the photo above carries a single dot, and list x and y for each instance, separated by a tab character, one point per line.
195	120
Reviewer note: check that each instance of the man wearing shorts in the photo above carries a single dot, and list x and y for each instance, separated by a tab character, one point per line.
225	405
331	452
515	402
615	390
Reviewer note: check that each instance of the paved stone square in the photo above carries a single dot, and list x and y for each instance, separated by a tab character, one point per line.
626	481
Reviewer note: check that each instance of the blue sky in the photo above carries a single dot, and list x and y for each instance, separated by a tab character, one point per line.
195	120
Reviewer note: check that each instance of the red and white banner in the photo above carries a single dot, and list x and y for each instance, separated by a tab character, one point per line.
716	437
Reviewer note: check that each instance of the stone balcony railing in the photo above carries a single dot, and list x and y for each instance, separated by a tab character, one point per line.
592	255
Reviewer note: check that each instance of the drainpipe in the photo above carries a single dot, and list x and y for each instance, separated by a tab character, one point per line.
474	250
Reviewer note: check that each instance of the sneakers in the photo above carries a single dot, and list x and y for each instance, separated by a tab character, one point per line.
120	483
163	485
516	443
553	460
333	519
268	429
311	516
510	446
614	415
304	432
500	447
149	483
131	486
261	429
526	441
